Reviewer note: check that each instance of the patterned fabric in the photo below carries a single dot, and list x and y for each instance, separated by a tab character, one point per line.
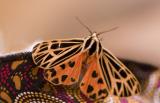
21	81
156	97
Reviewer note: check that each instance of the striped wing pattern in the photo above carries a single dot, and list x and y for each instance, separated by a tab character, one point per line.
120	81
63	60
49	54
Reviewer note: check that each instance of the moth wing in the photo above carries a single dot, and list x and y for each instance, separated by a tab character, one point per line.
67	73
120	80
93	83
50	53
60	59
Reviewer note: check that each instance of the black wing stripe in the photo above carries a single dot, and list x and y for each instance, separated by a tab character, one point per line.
105	72
67	55
39	58
73	40
63	45
105	52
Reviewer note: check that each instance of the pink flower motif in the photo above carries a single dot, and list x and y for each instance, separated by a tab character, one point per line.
123	100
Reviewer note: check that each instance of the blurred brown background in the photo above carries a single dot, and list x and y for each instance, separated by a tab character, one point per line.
23	22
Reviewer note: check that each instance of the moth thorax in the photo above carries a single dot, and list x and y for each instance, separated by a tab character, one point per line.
93	46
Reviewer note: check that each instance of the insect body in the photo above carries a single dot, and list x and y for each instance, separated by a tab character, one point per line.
63	60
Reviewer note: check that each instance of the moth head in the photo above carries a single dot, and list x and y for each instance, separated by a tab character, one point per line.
92	42
94	35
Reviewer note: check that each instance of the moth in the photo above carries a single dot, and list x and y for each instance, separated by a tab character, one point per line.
63	61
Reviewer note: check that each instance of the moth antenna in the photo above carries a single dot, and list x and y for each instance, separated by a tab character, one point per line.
107	31
84	25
